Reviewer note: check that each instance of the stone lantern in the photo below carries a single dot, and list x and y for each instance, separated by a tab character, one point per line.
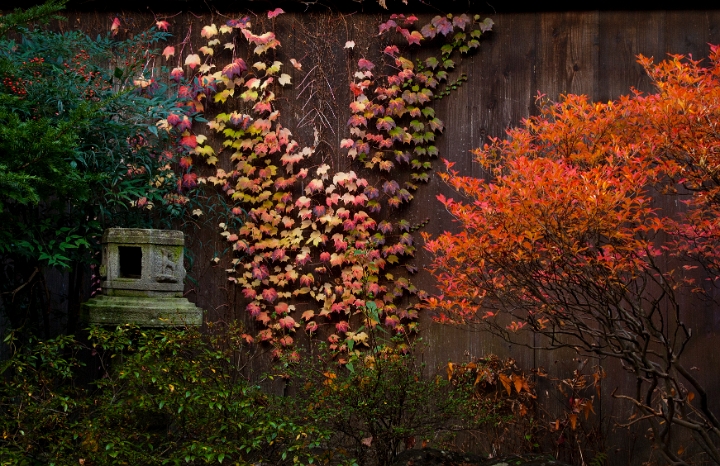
142	277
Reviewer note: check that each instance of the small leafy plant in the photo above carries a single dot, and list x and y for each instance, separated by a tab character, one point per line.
162	397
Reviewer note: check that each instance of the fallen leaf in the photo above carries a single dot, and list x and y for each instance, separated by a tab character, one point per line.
506	383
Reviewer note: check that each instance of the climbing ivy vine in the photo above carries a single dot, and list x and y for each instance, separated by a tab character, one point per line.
316	247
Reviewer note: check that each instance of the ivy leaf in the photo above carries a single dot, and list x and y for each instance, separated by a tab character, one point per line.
168	52
275	13
414	38
461	21
429	31
192	60
486	25
442	25
284	79
364	64
446	49
429	112
314	186
209	31
385	123
436	124
269	294
386	26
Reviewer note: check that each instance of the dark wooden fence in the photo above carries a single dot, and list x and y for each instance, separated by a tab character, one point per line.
590	52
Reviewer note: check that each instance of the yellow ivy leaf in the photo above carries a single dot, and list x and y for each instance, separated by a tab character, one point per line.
209	31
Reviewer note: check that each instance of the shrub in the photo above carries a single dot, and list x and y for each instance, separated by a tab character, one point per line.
566	240
79	152
162	397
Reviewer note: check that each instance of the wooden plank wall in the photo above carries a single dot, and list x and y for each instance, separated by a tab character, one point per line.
589	52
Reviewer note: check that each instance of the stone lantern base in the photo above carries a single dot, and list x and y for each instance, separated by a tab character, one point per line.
141	311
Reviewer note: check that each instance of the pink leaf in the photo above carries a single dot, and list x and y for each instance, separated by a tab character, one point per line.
168	52
253	308
287	322
276	12
177	74
115	26
342	327
269	294
364	64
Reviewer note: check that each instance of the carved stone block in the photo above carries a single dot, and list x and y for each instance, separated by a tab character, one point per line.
142	277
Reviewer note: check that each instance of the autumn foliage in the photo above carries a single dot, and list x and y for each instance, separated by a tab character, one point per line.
566	237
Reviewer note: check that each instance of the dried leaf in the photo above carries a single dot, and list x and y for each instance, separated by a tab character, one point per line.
518	382
505	380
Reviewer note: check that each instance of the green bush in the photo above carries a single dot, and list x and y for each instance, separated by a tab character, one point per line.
379	403
80	151
162	397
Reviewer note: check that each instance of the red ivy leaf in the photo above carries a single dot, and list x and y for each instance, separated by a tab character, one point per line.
384	27
364	64
269	294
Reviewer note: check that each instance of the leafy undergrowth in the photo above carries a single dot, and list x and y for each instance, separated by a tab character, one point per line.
182	397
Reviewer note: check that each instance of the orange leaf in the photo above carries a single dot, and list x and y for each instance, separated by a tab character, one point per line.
450	369
573	421
518	381
506	383
588	408
691	396
478	378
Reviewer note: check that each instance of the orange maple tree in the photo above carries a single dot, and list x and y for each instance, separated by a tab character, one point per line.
566	238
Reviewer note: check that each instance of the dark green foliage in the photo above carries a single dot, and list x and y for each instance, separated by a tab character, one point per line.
161	397
79	152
